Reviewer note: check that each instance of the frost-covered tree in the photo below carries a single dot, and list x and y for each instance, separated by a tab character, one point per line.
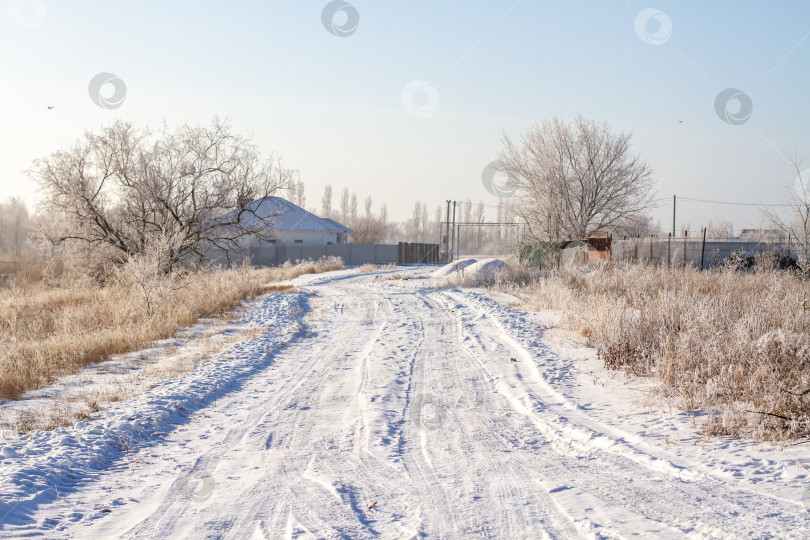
575	177
326	201
117	190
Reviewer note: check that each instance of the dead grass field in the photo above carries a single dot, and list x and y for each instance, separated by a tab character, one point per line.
55	327
734	345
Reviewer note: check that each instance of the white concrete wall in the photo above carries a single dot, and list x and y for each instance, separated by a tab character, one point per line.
308	238
271	255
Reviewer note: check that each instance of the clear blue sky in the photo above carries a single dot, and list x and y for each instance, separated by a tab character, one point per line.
332	107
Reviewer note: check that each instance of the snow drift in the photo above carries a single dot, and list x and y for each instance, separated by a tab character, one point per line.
454	267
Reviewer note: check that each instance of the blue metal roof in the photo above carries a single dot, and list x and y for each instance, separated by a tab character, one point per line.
291	217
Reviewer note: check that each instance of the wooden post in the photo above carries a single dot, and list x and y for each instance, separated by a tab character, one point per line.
703	248
669	250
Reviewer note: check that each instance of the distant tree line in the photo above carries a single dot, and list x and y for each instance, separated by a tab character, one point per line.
123	192
16	242
424	225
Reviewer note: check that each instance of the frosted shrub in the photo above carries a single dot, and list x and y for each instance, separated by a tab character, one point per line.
735	345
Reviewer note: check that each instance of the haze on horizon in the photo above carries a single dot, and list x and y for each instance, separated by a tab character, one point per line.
408	102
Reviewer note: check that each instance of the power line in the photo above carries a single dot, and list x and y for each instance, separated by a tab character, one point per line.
728	202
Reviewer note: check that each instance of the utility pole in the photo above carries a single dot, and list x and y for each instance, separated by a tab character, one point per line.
447	234
674	197
454	229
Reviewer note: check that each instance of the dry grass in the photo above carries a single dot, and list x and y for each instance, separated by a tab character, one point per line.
735	345
368	268
289	271
284	287
129	379
393	277
54	328
58	414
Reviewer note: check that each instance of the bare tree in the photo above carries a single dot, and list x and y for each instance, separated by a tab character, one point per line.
423	223
638	225
721	230
326	201
297	193
147	272
370	229
367	204
479	212
413	227
15	229
119	189
344	204
574	178
479	218
353	207
797	223
436	226
384	222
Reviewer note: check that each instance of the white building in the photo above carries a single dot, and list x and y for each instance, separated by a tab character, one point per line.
294	226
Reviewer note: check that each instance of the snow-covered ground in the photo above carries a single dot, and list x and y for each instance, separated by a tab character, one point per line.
127	375
384	405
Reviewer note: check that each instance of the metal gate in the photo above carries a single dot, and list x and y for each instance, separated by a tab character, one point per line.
416	253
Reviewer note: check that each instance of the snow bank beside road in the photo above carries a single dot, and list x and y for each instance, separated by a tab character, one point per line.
487	269
451	269
473	269
51	463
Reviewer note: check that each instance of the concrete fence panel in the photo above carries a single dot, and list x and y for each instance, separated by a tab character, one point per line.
274	255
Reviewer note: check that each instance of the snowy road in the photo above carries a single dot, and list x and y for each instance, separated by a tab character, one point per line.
396	412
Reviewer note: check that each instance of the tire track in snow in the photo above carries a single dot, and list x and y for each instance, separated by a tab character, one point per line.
255	433
436	505
312	504
529	512
307	445
564	423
